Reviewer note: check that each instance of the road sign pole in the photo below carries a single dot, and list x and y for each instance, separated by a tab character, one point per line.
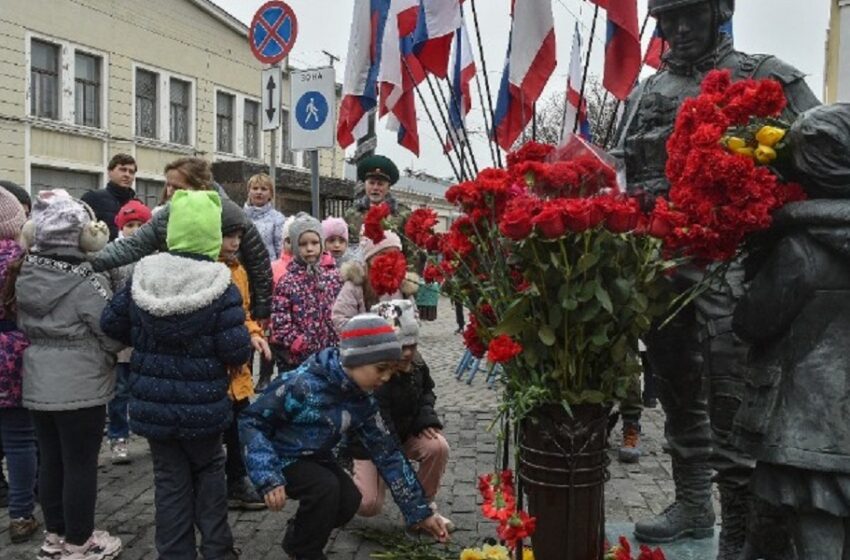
273	162
314	182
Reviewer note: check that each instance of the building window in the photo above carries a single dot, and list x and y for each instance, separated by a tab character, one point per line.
252	129
149	191
224	122
44	77
179	110
146	103
87	89
77	183
286	155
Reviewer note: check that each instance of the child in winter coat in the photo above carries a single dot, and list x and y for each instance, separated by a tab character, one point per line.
69	369
183	316
357	295
291	430
407	409
261	211
301	307
129	219
335	232
16	430
240	493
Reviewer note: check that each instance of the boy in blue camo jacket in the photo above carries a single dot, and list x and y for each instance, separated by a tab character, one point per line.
292	429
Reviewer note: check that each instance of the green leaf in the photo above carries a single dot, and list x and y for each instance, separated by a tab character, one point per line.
600	339
586	261
556	316
592	397
530	356
587	291
570	304
547	335
604	299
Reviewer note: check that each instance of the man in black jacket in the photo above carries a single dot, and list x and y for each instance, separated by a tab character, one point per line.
119	191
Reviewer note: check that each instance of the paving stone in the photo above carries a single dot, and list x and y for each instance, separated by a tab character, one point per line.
125	501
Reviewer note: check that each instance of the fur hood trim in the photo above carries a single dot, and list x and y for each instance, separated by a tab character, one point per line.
410	284
166	284
354	272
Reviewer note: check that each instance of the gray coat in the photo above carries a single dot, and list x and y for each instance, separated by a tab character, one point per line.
796	315
70	363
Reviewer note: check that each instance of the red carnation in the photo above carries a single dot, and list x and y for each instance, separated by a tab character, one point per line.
471	339
530	151
433	273
387	272
419	226
503	349
647	553
373	222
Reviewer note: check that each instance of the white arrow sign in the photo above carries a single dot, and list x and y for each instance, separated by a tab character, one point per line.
270	84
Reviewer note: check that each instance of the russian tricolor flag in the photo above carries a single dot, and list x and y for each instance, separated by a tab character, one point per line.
656	49
435	28
622	46
360	88
576	106
530	63
463	70
400	73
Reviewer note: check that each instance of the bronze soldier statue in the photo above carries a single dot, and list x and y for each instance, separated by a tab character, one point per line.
697	358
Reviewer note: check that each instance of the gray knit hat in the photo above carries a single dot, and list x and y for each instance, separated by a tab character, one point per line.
368	339
232	217
303	223
404	316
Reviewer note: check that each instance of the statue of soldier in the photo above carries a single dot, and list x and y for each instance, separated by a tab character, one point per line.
697	359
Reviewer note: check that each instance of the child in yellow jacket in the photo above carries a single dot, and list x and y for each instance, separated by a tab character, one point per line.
240	492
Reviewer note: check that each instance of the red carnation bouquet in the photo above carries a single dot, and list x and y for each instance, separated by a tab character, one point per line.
559	270
721	187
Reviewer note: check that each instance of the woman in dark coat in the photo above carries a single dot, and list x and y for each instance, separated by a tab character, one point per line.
796	315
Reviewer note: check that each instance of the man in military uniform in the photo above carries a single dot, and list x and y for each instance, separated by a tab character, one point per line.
377	174
697	359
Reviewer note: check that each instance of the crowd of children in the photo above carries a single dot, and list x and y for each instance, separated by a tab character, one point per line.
161	345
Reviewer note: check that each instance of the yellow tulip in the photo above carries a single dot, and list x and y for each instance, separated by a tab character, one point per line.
749	152
770	136
734	143
765	154
495	552
527	554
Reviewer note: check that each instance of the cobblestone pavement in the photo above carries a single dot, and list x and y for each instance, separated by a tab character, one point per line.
125	501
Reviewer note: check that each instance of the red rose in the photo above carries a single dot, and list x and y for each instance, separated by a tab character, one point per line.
550	221
373	222
387	272
578	214
623	216
516	221
503	349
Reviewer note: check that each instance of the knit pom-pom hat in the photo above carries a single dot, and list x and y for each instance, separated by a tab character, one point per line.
60	220
369	248
334	226
12	216
133	211
368	339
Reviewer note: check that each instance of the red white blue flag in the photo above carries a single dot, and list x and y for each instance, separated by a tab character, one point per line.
360	87
463	70
400	73
530	62
435	28
576	106
622	46
656	49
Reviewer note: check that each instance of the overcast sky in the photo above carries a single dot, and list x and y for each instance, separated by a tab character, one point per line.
794	30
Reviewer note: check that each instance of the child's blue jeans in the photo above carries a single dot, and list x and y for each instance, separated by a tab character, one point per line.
119	423
19	445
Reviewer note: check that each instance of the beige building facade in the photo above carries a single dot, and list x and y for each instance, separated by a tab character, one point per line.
837	75
82	80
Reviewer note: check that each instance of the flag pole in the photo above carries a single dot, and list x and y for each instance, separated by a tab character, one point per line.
487	127
457	103
443	117
587	63
610	130
459	176
492	137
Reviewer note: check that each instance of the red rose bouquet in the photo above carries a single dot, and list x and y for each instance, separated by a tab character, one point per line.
558	269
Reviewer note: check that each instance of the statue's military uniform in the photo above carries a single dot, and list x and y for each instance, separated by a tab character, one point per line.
697	359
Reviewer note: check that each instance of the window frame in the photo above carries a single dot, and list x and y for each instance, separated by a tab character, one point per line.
231	148
157	94
238	126
33	108
188	108
98	85
66	85
163	107
258	130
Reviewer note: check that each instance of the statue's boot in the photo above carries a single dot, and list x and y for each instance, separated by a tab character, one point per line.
690	515
734	512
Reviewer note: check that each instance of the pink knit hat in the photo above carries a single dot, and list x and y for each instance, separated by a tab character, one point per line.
12	216
369	249
334	226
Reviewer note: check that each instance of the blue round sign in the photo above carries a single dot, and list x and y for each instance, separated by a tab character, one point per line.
311	111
